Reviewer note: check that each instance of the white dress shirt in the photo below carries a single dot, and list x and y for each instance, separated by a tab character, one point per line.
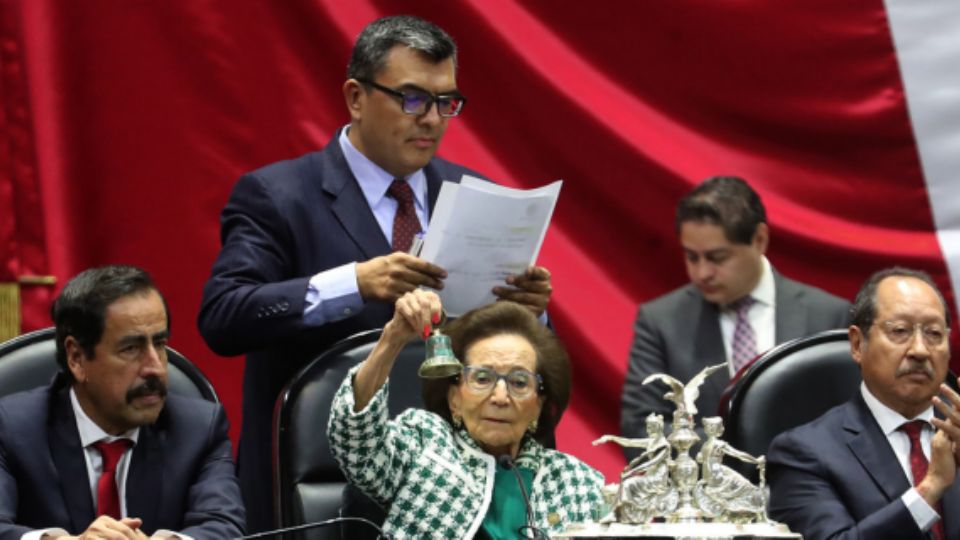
762	316
334	294
890	422
91	433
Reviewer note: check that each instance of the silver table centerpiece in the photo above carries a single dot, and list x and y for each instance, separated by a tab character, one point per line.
666	493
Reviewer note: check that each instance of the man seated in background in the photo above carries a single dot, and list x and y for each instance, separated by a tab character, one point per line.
104	452
735	306
881	465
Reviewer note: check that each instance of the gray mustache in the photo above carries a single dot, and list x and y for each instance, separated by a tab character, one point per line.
916	367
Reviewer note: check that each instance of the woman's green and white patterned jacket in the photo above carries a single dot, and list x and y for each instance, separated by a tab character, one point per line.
436	481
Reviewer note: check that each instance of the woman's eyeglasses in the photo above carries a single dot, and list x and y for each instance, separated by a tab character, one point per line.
521	383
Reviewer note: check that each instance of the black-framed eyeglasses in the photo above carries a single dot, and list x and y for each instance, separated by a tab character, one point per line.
418	102
521	383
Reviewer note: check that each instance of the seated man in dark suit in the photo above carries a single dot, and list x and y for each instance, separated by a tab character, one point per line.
881	465
735	306
104	452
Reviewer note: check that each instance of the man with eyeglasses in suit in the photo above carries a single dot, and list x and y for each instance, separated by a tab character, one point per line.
881	465
315	248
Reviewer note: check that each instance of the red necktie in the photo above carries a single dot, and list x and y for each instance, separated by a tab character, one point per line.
918	465
405	222
108	496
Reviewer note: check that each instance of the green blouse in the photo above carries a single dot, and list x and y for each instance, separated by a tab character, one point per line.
507	513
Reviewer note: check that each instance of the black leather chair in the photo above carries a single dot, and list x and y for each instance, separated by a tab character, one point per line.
308	484
791	385
29	361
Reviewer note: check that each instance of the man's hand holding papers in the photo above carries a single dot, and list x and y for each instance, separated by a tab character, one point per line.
389	277
531	289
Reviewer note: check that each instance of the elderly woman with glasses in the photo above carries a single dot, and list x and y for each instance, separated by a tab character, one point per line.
448	471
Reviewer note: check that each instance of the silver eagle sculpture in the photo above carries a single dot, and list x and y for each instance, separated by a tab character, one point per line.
684	396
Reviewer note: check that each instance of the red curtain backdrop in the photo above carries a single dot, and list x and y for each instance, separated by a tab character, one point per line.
126	122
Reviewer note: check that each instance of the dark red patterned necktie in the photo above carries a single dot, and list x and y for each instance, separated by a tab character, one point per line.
744	346
918	465
405	222
108	496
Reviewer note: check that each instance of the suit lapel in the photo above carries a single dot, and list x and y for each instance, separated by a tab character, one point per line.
64	440
145	476
434	182
348	203
708	340
791	312
351	207
871	448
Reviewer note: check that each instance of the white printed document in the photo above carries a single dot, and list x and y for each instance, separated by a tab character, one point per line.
480	233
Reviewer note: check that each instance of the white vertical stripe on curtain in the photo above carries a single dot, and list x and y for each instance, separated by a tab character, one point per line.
927	41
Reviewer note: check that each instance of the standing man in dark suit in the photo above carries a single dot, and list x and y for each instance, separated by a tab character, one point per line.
314	249
880	466
104	452
735	306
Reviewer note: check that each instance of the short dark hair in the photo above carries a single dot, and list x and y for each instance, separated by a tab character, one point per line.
863	312
80	309
369	56
727	201
500	318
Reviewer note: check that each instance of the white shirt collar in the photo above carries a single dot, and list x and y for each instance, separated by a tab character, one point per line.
90	432
373	180
889	419
766	291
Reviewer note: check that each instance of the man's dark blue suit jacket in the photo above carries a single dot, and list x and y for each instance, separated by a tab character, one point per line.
283	224
838	478
181	474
